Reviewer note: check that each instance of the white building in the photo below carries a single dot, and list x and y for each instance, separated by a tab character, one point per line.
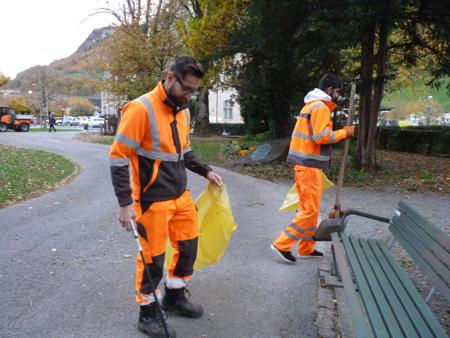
109	104
223	107
446	119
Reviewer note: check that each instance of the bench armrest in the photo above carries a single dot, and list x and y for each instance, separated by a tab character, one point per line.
350	212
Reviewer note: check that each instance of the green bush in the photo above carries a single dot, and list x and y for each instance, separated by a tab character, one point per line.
231	129
258	138
430	140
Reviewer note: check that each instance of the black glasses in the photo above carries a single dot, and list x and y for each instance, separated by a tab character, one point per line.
186	89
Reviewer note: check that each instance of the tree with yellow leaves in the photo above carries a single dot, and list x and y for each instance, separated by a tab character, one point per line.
207	35
3	79
141	47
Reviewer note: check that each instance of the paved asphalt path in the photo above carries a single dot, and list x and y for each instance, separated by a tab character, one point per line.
85	288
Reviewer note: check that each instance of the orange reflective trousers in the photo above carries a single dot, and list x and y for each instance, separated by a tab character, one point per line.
175	219
304	225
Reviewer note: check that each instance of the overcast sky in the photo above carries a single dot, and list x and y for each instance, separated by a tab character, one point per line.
36	32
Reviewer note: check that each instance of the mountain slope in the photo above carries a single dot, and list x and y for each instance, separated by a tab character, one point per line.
77	74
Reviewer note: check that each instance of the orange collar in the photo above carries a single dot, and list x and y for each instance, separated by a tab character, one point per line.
330	104
159	90
161	93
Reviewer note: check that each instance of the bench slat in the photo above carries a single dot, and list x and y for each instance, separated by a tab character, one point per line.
421	249
395	275
357	317
376	321
395	303
421	257
430	242
374	289
419	303
435	232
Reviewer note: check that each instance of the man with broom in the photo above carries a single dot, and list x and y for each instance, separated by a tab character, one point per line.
310	151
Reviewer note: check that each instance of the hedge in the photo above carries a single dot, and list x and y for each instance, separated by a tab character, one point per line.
231	129
430	140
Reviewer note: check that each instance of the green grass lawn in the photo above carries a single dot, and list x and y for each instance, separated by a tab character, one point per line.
401	171
420	92
208	150
25	172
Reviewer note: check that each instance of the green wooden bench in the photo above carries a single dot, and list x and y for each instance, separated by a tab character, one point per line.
393	306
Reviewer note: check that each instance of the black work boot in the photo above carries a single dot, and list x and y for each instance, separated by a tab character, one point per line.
175	301
150	322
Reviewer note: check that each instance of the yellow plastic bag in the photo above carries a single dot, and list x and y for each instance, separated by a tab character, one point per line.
290	203
216	225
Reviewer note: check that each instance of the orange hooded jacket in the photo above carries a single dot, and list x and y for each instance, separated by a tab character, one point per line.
313	133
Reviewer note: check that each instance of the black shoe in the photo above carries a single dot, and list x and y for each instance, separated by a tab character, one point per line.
175	301
284	255
151	323
314	254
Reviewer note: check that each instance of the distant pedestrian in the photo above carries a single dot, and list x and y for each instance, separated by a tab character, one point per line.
52	122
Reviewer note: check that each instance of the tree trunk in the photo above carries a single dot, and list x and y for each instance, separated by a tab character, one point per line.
365	101
377	95
201	120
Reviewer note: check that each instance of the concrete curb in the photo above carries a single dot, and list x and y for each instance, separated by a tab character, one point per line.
327	312
332	319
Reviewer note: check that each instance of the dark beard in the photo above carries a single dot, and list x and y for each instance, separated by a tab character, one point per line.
174	99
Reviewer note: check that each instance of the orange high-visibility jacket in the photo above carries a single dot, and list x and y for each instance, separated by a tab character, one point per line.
153	140
313	133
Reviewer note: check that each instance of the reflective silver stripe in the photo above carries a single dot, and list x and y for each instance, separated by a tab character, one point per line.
311	131
309	111
309	156
296	228
313	228
324	133
156	153
156	138
306	238
291	236
300	230
314	106
118	162
187	112
332	136
188	118
127	141
301	135
188	149
188	121
307	162
153	155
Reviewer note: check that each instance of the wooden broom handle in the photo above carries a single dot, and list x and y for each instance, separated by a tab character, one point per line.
340	182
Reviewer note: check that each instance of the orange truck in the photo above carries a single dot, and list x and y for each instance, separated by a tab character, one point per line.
10	120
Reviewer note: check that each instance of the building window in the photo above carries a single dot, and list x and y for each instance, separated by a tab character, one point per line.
228	110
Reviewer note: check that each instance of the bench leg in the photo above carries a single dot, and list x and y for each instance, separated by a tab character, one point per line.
334	270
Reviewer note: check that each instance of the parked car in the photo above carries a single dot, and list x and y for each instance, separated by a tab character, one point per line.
72	121
95	122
